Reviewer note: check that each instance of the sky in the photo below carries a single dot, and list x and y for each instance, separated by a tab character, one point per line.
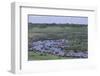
57	19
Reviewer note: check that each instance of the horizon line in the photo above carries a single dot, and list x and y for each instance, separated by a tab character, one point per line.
57	23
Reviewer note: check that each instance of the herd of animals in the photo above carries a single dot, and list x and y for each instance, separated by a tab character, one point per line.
56	47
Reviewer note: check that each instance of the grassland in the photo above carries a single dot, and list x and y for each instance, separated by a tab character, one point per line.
44	56
76	35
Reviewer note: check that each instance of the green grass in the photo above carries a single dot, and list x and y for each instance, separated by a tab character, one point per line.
58	29
38	56
77	37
